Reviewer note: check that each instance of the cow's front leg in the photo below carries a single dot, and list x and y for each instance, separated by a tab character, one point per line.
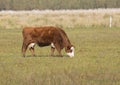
58	48
52	51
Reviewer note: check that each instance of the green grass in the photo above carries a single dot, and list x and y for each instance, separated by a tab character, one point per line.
96	61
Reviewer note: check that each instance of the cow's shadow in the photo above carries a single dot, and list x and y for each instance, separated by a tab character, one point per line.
47	56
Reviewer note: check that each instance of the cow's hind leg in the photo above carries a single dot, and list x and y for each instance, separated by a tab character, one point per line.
24	48
52	49
31	48
32	51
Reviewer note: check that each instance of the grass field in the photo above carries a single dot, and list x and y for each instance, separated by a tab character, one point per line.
97	48
96	61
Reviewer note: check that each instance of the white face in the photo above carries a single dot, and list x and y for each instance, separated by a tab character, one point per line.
71	54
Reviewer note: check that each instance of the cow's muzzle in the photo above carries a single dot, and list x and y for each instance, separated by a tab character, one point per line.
71	54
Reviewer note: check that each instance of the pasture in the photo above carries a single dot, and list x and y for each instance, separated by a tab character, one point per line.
96	61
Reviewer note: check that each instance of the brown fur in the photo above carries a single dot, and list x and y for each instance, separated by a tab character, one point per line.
44	36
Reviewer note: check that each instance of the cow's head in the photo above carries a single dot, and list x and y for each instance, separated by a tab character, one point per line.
70	51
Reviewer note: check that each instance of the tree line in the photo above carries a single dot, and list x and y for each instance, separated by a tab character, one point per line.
57	4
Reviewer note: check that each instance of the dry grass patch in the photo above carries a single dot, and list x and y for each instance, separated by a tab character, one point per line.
68	18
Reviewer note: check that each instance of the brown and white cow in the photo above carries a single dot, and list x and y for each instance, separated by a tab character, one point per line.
45	36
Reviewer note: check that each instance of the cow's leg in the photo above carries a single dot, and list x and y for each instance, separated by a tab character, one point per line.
32	51
52	51
31	48
24	48
58	48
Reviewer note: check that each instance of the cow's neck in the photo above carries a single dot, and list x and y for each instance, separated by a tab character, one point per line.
66	40
67	43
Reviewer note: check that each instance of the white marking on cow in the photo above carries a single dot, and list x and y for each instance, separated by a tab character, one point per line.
31	45
71	54
52	45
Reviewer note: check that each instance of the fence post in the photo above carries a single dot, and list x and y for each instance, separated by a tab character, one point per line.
110	22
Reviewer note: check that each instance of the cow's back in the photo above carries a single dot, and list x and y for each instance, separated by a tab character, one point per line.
43	34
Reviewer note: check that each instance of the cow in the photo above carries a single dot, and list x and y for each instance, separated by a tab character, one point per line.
45	36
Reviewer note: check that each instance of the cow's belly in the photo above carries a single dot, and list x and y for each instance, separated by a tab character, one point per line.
43	44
